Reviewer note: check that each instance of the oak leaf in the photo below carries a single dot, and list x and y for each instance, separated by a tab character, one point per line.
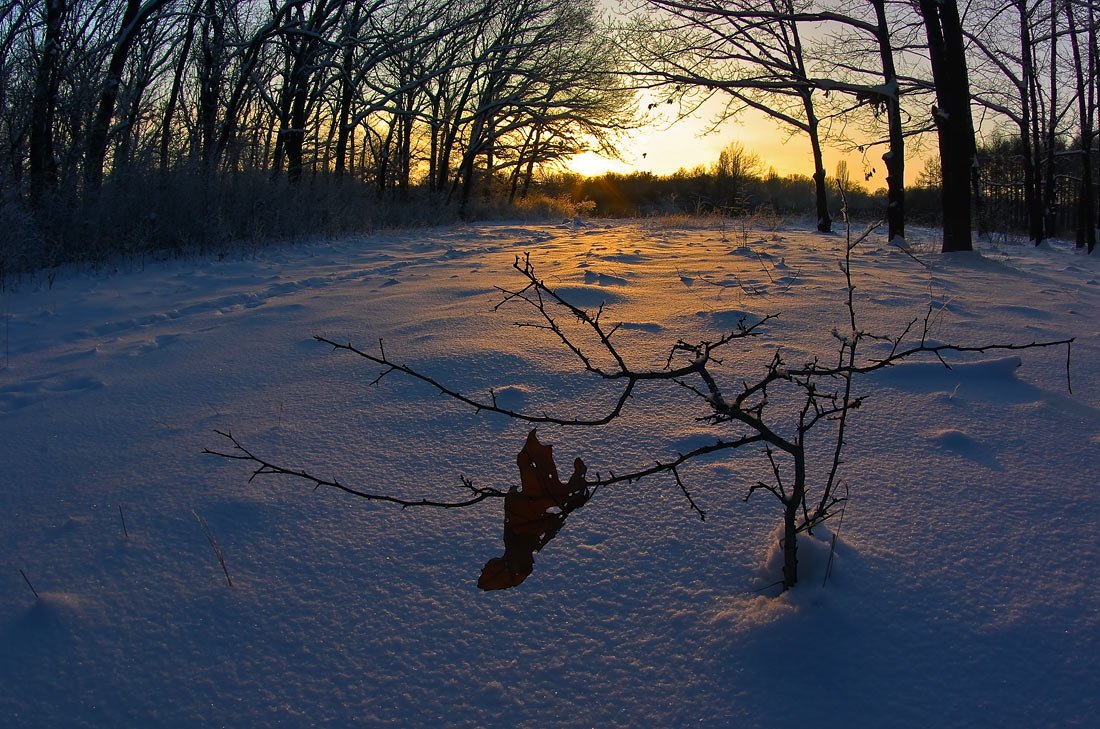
533	513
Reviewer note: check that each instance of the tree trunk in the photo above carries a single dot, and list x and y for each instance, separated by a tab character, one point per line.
99	133
952	118
295	135
235	103
43	168
1086	214
791	504
210	81
404	148
347	94
531	165
790	545
177	84
1032	201
1050	209
821	197
894	158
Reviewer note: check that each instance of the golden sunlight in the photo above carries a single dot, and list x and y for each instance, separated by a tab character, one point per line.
590	164
665	146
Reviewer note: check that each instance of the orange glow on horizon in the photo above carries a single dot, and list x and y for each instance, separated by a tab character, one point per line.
663	149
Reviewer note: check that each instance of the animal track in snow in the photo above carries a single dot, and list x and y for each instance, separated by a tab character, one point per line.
19	395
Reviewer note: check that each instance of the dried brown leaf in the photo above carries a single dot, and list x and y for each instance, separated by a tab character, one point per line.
533	513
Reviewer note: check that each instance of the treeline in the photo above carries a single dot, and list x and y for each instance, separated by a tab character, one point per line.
123	117
735	185
881	73
700	192
1065	207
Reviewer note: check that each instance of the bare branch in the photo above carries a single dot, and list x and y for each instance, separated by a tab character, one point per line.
266	468
691	502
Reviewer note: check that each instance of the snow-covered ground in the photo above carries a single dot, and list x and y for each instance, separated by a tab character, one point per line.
964	591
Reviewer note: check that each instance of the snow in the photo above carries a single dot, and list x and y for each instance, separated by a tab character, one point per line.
961	593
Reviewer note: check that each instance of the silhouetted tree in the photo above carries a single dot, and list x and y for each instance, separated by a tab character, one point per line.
954	124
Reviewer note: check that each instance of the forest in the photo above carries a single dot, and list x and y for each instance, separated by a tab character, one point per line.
165	124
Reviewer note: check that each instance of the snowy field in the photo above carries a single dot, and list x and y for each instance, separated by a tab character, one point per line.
964	592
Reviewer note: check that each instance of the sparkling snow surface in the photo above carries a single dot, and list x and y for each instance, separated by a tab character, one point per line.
964	591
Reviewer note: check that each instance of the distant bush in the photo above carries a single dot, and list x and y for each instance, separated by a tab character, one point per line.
144	213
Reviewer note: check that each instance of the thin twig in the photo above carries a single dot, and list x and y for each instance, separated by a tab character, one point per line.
214	546
27	580
832	546
1069	381
680	483
777	583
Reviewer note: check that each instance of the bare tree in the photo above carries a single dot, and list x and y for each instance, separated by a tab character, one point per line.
731	171
781	410
133	18
43	168
866	35
993	43
954	123
1086	108
750	52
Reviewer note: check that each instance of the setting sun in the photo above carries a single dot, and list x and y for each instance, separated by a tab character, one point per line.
666	145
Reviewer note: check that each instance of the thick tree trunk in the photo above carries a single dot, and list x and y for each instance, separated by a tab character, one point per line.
382	160
791	505
790	545
286	98
958	154
894	158
347	94
343	127
210	82
43	168
295	135
404	151
433	155
528	173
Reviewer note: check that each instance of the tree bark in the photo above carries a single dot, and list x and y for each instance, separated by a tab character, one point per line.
1086	214
951	114
43	168
821	199
894	158
347	93
1050	203
210	82
99	133
1032	201
177	84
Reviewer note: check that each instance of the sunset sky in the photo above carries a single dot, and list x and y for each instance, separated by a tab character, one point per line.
669	145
